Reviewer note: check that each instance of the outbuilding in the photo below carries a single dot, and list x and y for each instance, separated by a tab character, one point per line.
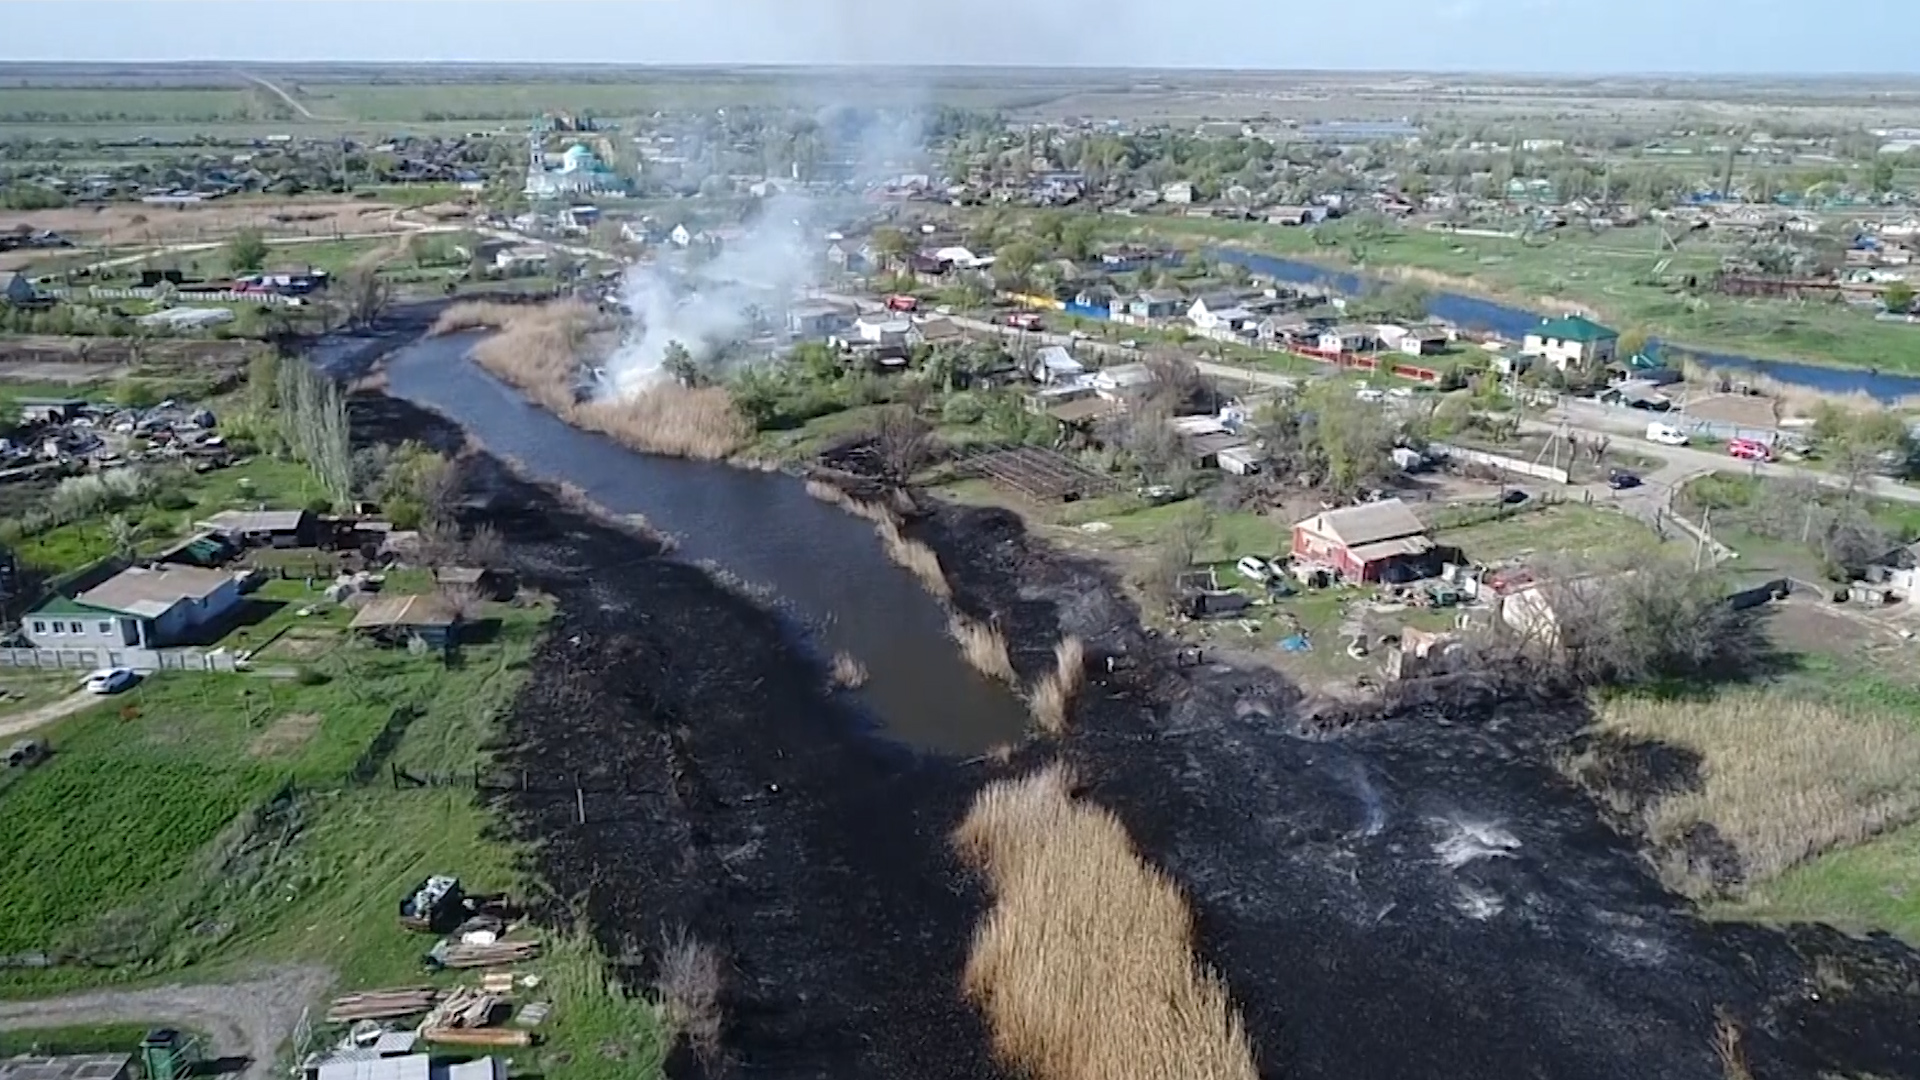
263	528
399	619
1379	541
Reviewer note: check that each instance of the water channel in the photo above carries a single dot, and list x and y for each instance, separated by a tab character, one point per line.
826	566
1508	321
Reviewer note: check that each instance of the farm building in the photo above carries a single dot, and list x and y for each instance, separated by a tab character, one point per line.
491	584
136	608
398	619
263	528
1379	541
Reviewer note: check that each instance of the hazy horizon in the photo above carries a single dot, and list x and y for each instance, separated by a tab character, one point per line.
1529	37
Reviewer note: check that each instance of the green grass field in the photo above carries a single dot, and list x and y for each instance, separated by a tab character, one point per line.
1563	530
87	105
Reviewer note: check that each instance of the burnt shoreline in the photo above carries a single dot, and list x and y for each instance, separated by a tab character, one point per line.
764	819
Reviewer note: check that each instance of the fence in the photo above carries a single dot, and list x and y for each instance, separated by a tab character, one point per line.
214	296
142	660
1504	463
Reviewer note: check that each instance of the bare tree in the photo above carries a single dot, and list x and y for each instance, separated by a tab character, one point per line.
1173	556
1600	624
364	296
464	601
903	441
485	548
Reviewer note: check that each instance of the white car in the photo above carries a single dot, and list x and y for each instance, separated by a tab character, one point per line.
1129	343
1079	335
1369	394
108	681
1666	435
1255	568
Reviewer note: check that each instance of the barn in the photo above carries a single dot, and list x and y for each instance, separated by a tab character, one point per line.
1378	541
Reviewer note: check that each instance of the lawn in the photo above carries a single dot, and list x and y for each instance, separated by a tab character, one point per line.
260	481
220	821
1875	886
92	1039
1563	529
1737	509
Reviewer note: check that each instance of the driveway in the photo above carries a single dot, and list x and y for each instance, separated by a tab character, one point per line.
249	1020
21	723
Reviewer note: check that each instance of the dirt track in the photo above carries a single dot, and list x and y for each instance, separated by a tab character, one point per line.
249	1020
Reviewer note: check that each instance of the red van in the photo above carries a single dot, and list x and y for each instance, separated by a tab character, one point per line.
1750	450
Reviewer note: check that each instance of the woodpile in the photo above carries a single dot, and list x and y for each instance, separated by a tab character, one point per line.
465	1007
493	955
381	1004
477	1036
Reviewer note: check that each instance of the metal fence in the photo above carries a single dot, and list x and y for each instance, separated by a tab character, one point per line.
142	660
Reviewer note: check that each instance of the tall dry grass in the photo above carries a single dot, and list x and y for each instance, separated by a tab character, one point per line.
537	349
1782	780
915	556
1053	697
984	648
1084	965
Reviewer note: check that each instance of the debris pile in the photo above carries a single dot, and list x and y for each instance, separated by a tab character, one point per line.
382	1004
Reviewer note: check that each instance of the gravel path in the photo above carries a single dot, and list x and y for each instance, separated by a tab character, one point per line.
250	1020
47	714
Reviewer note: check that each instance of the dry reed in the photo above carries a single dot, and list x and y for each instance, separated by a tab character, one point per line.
847	672
915	556
1053	696
537	350
984	648
689	985
1782	781
1084	965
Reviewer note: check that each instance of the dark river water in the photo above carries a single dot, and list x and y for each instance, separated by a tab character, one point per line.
826	566
1473	312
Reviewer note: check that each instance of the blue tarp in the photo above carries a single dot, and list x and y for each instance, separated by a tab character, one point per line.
1296	643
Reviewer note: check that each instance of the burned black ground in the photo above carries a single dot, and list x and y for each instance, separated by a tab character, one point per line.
726	794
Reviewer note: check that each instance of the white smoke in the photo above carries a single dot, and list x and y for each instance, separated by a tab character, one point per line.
781	254
709	306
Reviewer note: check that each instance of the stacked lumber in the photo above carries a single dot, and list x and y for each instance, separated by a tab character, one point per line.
464	1008
456	955
477	1036
381	1004
498	983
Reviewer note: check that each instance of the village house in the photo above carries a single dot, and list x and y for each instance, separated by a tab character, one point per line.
1179	193
1348	339
884	329
397	620
936	330
1424	340
1218	311
262	528
136	608
1571	341
1123	381
1054	365
1155	304
818	319
1380	541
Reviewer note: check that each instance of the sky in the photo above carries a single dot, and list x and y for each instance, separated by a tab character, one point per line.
1532	36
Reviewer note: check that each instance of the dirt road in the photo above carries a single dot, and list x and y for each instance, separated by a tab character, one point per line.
276	91
46	714
250	1020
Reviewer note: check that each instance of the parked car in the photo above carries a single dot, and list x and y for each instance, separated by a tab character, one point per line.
1513	497
1129	343
1255	568
1620	480
108	680
1079	335
1750	450
1666	435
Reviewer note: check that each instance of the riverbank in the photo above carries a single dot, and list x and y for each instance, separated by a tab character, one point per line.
1723	331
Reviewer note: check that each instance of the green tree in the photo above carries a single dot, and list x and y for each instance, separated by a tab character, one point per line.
246	252
1017	260
1632	343
1898	297
678	362
1880	174
891	243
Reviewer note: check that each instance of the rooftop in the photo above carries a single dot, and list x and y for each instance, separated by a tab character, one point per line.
253	521
1575	328
390	611
1366	524
71	1067
152	593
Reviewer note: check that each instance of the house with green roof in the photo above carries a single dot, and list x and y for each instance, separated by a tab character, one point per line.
1571	341
138	608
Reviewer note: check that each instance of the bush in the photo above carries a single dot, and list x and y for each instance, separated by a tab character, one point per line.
172	499
319	505
962	409
308	675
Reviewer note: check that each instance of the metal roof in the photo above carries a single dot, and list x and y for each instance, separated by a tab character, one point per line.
152	593
69	1067
1369	523
1574	328
386	611
254	521
409	1067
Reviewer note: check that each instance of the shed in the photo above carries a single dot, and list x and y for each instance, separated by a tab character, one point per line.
492	584
1371	542
397	619
263	528
46	410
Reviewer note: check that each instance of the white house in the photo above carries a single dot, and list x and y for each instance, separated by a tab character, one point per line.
1571	341
680	236
884	329
137	608
1123	381
1347	339
1179	193
1220	311
1054	365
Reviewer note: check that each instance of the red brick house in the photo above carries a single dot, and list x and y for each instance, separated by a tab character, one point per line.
1371	542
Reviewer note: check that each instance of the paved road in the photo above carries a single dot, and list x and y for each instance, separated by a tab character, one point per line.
250	1020
281	94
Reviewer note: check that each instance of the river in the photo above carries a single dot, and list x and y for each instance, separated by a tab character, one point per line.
826	566
1508	321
